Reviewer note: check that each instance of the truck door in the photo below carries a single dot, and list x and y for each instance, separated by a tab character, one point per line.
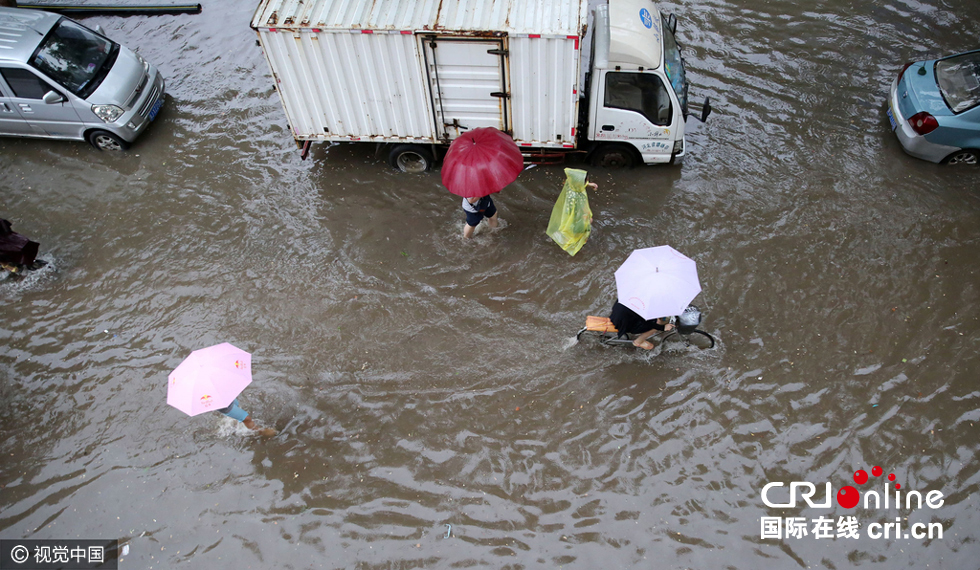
468	84
637	108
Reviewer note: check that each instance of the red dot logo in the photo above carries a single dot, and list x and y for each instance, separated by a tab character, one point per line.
849	500
848	497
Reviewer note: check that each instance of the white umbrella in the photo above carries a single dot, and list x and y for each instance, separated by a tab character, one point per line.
657	282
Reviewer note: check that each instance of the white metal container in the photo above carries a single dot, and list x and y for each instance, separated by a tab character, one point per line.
424	71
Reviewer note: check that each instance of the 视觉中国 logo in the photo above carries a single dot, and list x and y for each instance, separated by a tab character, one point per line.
873	493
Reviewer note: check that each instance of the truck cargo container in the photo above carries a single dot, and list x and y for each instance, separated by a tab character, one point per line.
605	81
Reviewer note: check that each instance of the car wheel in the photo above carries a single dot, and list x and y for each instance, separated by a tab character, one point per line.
614	156
411	158
965	156
104	140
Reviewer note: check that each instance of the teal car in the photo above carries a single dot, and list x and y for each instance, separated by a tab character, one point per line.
934	109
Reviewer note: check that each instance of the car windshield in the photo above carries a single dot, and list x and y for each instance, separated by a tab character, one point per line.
959	80
74	57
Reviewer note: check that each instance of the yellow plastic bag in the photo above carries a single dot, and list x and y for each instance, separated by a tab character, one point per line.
571	218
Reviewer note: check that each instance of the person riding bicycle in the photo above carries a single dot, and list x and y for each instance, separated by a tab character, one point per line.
627	321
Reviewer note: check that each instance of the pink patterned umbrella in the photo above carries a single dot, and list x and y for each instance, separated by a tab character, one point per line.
481	162
209	379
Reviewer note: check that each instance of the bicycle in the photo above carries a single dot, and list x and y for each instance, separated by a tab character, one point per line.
685	334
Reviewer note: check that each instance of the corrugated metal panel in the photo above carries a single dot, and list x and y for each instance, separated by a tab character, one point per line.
552	17
374	86
338	85
544	89
464	74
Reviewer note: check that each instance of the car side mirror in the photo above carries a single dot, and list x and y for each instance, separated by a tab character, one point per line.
99	30
672	23
52	97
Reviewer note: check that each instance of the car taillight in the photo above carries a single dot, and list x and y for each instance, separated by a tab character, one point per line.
902	72
923	123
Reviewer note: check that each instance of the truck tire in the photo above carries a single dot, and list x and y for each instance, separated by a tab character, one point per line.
411	158
104	140
614	156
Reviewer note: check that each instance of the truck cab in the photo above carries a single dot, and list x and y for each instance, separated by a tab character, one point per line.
637	86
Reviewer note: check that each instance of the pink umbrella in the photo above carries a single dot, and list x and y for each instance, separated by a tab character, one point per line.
481	162
209	379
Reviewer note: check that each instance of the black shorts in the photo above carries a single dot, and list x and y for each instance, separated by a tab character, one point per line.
488	210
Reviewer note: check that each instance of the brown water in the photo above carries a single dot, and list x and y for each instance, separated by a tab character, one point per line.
420	382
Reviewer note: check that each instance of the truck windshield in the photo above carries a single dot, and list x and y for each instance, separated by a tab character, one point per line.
674	66
75	57
959	80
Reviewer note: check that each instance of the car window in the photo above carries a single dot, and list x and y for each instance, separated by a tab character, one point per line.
959	81
25	84
641	92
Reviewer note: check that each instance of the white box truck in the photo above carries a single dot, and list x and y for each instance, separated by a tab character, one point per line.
560	76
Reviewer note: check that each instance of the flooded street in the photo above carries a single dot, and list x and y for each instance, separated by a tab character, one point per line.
420	381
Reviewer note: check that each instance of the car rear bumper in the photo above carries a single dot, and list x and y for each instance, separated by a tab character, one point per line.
913	143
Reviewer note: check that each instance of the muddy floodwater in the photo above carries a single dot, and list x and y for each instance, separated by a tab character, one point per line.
433	406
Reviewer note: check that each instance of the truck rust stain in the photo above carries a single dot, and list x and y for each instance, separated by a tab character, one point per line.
438	13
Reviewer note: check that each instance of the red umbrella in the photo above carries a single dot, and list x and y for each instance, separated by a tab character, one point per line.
481	162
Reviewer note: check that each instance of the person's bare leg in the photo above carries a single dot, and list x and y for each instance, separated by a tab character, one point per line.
468	231
642	342
492	221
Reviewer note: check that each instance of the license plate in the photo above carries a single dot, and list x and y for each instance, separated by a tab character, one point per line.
159	104
891	119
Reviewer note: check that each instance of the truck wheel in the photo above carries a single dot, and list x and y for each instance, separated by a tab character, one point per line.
410	158
614	156
104	140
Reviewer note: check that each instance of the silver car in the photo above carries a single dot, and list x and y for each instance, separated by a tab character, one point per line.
61	80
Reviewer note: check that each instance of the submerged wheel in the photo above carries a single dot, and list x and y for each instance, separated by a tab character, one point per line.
411	158
965	156
697	339
104	140
614	156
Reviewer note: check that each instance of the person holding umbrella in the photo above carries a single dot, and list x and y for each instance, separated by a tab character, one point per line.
653	282
480	163
210	379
